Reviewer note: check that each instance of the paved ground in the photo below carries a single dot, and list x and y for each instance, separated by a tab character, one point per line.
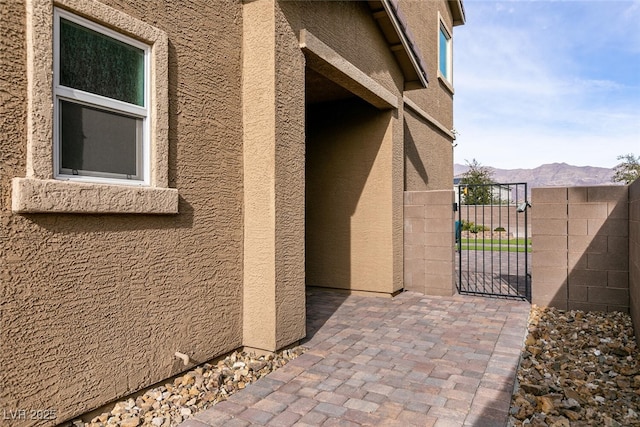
494	272
407	361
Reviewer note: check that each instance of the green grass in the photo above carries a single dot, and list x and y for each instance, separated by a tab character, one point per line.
496	241
496	245
495	248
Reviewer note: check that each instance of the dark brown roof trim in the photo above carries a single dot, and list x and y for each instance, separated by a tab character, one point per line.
457	12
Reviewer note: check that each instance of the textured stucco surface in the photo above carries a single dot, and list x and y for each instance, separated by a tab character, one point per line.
323	60
350	30
428	156
30	195
428	150
373	241
349	197
422	18
273	111
94	306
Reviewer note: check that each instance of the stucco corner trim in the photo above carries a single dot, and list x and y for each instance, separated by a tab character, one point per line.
31	195
326	61
424	115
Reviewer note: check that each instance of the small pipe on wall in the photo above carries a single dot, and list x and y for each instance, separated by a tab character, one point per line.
184	357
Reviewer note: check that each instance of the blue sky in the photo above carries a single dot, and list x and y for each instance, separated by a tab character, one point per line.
547	81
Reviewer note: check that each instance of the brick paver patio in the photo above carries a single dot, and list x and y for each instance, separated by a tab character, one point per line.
408	361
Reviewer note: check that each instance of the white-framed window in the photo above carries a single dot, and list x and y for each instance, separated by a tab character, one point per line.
97	140
101	90
444	53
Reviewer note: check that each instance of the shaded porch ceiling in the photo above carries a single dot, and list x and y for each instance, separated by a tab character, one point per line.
319	89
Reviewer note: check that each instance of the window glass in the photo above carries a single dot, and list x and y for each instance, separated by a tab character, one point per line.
95	63
95	140
444	54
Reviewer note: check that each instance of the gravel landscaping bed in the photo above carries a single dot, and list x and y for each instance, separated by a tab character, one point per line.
578	369
197	390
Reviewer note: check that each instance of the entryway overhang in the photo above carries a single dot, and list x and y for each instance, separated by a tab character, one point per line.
327	62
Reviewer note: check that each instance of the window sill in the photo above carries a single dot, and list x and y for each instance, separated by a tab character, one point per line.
31	195
446	83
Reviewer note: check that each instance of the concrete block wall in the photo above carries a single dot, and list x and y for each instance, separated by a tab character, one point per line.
429	242
634	254
581	248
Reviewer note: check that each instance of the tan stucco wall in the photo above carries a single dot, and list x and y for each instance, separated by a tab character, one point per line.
428	161
350	29
349	212
422	17
428	150
273	117
94	306
363	220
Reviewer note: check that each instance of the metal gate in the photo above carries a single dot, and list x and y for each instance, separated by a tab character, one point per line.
493	243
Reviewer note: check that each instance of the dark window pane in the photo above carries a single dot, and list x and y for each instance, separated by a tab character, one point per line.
94	140
99	64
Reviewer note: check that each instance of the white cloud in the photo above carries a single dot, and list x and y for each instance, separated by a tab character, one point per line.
530	87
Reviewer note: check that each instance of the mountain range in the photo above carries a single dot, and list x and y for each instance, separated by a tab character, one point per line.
553	174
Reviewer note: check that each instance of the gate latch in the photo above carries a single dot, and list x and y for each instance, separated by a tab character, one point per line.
523	207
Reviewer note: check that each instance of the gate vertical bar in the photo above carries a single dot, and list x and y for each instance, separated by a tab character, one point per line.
527	276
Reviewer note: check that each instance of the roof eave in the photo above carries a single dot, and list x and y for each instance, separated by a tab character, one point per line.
401	43
457	12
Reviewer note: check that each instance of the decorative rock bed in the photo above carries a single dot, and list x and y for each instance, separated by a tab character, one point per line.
578	369
197	390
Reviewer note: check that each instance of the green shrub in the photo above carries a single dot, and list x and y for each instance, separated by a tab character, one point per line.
499	229
473	228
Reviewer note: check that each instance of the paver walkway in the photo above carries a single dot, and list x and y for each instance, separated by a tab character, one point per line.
408	361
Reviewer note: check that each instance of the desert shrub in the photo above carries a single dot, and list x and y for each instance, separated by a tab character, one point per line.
499	229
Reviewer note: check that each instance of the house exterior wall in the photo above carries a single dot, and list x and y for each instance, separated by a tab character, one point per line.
94	306
428	155
423	19
273	119
428	161
580	244
350	30
428	149
350	202
354	158
634	254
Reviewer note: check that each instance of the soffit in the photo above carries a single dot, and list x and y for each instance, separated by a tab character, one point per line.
457	12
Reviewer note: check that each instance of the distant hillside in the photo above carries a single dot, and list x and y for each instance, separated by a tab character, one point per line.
554	174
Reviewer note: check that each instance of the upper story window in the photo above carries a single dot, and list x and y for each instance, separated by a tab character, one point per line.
444	53
101	103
